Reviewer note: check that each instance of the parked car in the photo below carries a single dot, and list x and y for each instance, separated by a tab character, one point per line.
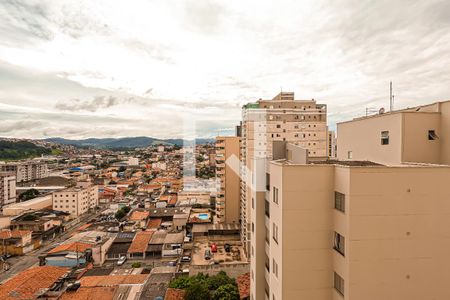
208	254
214	248
186	258
172	263
121	260
227	247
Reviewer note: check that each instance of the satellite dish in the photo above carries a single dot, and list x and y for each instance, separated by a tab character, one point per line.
381	111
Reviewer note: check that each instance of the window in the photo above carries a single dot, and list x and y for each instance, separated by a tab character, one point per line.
432	135
253	202
275	233
275	195
339	243
339	201
339	283
274	267
349	154
385	138
253	227
278	126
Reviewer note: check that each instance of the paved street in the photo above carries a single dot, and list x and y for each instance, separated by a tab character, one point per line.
21	263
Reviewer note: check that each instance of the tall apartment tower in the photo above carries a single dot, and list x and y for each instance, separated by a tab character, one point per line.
332	144
302	122
355	229
7	188
227	173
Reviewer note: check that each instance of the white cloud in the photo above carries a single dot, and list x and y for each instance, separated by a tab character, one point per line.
203	59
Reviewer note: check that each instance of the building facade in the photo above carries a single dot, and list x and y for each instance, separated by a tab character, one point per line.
76	200
26	171
227	173
7	188
420	134
302	122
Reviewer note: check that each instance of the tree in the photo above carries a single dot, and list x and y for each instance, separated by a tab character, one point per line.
226	292
214	282
126	209
197	291
120	214
181	282
28	194
136	265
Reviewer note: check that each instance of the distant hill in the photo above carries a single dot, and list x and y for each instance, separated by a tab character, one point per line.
14	150
128	142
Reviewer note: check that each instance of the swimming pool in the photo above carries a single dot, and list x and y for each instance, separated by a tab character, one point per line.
203	216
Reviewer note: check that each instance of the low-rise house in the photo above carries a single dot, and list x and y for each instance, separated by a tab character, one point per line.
139	245
156	243
44	224
120	245
173	244
15	242
30	283
95	245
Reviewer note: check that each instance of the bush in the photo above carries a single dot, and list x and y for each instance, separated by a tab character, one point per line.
214	282
197	291
126	209
136	265
226	292
119	214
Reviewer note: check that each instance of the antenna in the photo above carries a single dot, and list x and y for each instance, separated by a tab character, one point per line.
391	98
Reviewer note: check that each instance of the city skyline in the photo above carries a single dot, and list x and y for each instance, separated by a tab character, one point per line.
79	70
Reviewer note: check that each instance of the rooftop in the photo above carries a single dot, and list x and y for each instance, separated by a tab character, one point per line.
243	282
108	280
140	242
89	293
139	215
71	247
26	284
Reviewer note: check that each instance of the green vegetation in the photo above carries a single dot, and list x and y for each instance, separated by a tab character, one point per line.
28	194
206	172
204	287
122	212
136	265
20	150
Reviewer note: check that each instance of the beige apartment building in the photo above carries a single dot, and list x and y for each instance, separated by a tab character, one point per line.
26	171
372	226
227	173
332	144
302	122
419	134
7	188
76	200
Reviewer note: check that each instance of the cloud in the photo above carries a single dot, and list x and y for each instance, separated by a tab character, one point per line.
93	105
7	126
204	59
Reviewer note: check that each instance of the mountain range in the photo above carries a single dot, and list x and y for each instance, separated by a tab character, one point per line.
127	142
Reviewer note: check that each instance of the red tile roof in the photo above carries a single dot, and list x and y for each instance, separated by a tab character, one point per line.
73	247
91	293
243	283
140	242
139	215
174	294
83	227
26	284
113	280
154	223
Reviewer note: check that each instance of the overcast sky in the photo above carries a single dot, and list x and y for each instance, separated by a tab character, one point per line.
79	69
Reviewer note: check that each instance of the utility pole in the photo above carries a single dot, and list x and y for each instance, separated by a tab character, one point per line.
391	98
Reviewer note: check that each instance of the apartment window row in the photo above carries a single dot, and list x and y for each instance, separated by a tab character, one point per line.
339	201
339	283
339	243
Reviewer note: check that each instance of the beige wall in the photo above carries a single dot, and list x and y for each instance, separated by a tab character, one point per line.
399	233
408	136
396	227
363	138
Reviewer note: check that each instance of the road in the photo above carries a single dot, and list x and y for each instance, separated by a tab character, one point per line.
21	263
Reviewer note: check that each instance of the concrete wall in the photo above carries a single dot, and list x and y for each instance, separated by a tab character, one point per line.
416	146
363	138
398	238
